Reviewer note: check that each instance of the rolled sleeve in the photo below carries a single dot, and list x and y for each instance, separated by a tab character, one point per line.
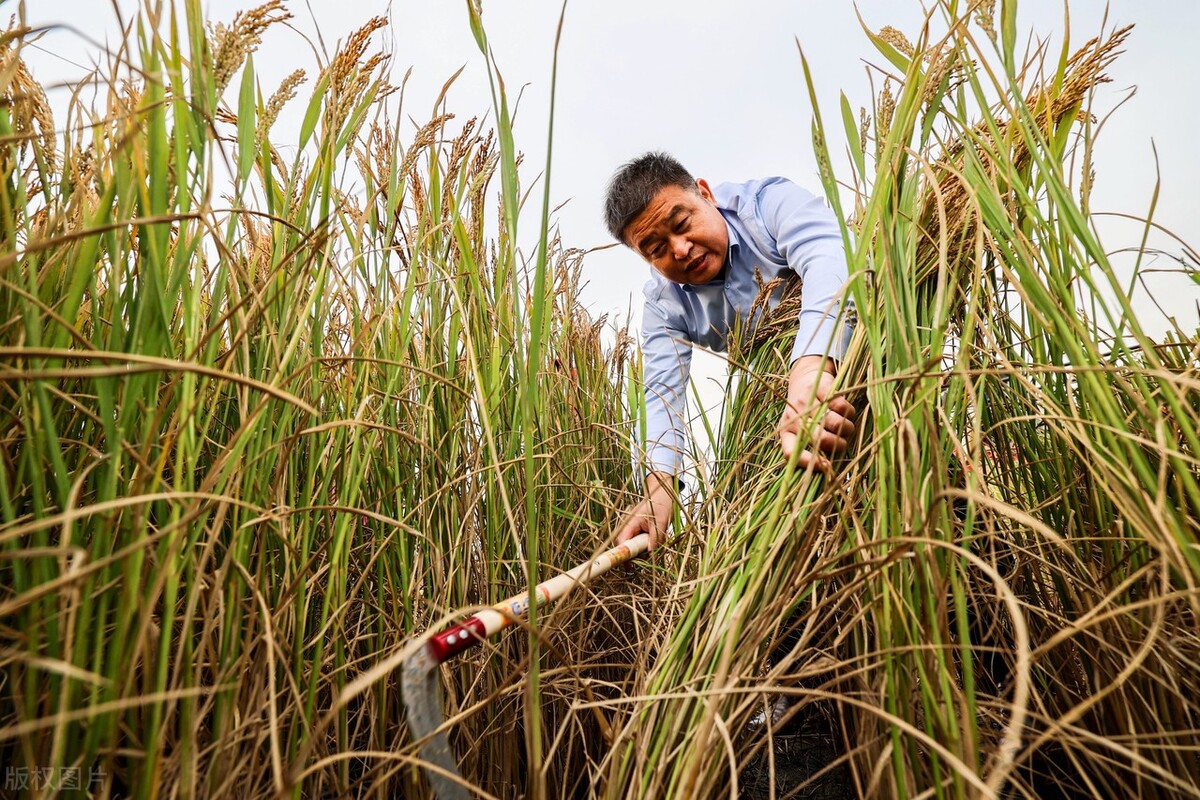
666	366
808	236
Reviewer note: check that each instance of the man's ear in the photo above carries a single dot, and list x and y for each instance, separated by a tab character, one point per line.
705	190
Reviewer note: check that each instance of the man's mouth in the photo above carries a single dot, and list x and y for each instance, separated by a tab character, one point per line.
695	264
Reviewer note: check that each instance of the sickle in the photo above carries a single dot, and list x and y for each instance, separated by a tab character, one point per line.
418	677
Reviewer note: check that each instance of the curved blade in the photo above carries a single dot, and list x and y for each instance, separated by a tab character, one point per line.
418	681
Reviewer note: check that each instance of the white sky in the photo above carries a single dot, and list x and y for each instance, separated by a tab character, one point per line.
719	84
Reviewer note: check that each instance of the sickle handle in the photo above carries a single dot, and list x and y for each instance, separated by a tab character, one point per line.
472	631
457	638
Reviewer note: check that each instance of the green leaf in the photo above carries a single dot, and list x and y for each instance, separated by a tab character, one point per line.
1008	33
852	135
475	13
247	106
314	111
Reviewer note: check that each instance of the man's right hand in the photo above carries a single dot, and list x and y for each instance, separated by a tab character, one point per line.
652	515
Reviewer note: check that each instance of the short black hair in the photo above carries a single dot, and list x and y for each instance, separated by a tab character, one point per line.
635	184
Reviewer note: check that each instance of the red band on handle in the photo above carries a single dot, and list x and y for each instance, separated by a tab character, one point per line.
456	638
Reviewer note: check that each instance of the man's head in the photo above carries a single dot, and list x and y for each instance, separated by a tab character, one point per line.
669	218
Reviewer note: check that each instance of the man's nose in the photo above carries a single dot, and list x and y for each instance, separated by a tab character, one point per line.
681	247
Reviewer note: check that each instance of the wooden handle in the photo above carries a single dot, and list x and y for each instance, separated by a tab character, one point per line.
472	631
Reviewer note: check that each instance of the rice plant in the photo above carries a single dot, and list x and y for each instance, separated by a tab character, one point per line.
268	417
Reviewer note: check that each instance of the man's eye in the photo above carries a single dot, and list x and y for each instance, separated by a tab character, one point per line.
681	226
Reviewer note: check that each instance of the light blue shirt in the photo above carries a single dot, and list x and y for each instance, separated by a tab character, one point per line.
776	228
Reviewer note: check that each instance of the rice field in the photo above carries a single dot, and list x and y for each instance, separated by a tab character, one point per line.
267	421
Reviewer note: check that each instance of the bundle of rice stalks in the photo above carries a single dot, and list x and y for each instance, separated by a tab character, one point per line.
995	594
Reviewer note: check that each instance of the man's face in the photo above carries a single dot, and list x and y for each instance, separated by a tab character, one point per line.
682	234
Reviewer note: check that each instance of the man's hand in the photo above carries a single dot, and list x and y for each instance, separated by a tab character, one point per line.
810	384
652	515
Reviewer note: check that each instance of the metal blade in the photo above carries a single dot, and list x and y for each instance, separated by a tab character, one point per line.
418	681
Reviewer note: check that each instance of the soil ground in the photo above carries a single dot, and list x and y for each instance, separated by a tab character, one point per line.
798	757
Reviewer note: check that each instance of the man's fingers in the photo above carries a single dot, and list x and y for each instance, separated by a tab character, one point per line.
834	433
808	458
819	440
787	440
838	407
843	406
832	443
839	424
637	526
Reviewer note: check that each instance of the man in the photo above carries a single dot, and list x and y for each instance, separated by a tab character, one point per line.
704	247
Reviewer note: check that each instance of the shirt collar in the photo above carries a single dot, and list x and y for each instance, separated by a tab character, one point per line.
735	243
734	240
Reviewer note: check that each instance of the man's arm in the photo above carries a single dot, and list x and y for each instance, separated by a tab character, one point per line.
808	237
666	364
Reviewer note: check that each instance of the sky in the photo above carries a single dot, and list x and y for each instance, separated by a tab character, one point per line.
719	85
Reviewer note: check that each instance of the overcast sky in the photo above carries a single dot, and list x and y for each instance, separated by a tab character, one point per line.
720	85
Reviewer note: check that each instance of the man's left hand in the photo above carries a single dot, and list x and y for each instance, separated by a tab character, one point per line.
810	384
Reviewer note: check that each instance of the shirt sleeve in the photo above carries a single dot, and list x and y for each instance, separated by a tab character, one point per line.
666	365
808	237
